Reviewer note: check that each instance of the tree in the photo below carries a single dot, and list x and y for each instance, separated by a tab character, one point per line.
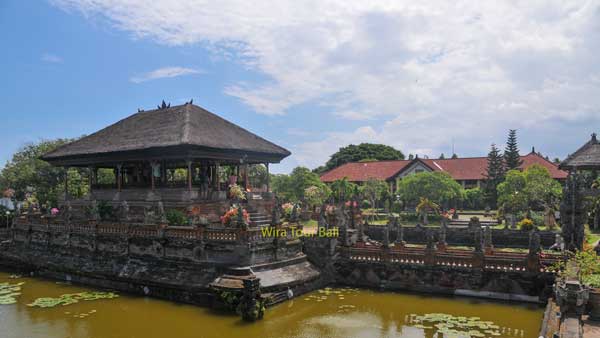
474	199
27	174
511	193
437	187
454	156
411	157
442	157
512	159
355	153
494	175
316	195
532	189
343	190
375	190
291	187
424	207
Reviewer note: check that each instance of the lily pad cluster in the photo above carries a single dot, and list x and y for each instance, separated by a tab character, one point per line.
9	293
71	298
324	294
81	314
455	326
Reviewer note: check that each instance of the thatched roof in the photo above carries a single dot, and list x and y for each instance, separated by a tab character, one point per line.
185	131
586	157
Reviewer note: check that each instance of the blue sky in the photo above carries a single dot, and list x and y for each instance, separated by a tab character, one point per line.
310	76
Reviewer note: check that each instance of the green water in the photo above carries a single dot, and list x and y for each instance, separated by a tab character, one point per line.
338	312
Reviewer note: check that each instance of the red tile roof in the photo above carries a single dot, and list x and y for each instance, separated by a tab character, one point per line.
469	168
362	171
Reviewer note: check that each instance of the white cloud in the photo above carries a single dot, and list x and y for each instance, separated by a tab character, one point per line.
51	58
165	72
434	70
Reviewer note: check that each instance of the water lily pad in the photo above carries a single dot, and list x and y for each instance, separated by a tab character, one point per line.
71	298
9	293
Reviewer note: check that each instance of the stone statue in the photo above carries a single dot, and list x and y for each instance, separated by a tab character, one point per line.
160	213
477	240
474	223
322	222
487	237
241	222
149	215
442	239
94	214
67	212
430	240
294	214
572	215
276	214
534	242
124	212
386	235
400	234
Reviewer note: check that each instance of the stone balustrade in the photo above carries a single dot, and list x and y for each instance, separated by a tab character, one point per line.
452	257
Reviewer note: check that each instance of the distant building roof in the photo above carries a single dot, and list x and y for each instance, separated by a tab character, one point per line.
175	131
363	171
469	168
586	157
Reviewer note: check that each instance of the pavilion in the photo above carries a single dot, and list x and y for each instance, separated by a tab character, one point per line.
170	154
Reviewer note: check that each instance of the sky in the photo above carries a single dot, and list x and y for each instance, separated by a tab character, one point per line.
311	76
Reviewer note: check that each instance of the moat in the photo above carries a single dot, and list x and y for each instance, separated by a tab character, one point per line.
335	312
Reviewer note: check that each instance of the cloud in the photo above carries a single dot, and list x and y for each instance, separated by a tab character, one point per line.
429	72
51	58
162	73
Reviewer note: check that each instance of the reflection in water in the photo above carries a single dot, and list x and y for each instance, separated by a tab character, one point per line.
339	312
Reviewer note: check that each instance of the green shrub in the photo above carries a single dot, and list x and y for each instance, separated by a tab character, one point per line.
6	217
105	210
365	204
176	217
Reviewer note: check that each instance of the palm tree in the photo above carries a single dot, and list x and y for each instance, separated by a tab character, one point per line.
425	206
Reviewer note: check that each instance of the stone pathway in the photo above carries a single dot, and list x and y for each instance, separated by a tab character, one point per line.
590	328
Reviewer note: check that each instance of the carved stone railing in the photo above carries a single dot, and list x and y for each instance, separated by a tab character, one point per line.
458	258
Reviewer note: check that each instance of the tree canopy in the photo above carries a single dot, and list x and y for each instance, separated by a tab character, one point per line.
532	188
375	190
437	187
292	187
363	151
27	174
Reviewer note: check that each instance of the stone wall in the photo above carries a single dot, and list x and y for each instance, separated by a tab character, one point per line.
462	236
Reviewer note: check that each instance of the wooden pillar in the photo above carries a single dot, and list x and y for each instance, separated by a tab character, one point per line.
152	166
246	183
189	175
90	179
66	183
216	177
163	172
268	178
119	177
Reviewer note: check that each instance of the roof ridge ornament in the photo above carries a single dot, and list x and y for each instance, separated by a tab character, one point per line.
594	139
164	105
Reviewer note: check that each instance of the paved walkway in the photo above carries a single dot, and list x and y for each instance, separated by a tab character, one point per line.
591	328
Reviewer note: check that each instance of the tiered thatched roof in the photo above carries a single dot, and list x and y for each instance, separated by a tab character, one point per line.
586	157
180	132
